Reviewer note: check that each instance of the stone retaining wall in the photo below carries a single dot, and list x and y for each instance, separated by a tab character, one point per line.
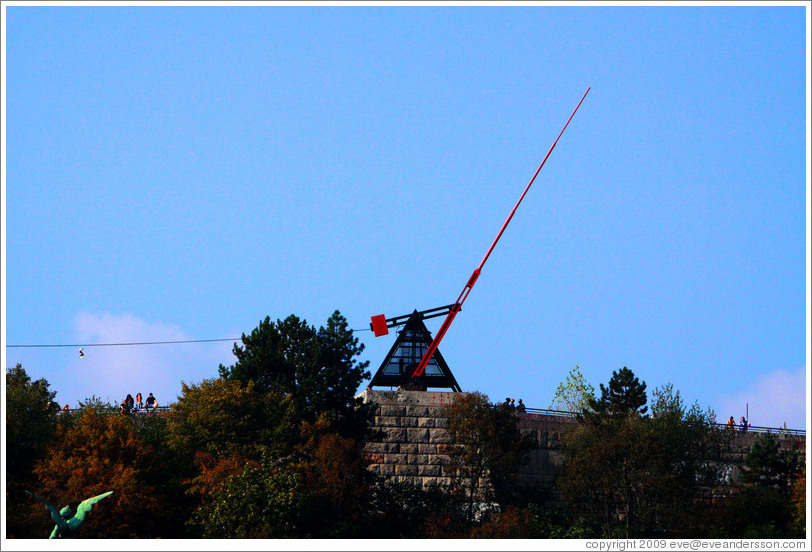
411	441
412	437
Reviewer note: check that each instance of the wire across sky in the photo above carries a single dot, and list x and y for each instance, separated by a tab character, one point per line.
46	345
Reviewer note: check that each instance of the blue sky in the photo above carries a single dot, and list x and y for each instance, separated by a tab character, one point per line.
179	173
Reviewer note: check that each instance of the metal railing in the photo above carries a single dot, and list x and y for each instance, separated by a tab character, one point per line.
116	410
762	429
750	428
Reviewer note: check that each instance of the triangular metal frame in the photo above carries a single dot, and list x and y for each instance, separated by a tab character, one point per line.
397	368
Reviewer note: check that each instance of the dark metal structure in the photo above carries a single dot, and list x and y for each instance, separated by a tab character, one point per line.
414	339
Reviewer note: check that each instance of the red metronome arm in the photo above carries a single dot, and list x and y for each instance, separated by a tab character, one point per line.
472	280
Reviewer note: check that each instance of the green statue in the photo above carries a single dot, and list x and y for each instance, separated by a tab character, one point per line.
65	524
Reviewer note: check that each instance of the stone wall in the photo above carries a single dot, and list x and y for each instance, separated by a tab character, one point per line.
412	439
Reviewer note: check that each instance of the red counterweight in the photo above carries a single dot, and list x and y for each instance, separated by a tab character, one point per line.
379	325
457	306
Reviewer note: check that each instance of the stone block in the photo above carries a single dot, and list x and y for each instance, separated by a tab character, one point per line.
436	412
391	410
417	435
375	447
394	458
417	459
409	448
426	448
391	448
405	479
382	469
426	422
408	421
428	471
439	436
406	469
441	422
395	435
415	410
387	421
443	481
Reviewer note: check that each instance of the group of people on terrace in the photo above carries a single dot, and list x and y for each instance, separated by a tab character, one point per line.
511	405
743	425
130	405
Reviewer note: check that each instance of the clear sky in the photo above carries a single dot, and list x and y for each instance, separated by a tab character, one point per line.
180	173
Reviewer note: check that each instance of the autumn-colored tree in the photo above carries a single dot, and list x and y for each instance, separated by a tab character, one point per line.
798	496
334	474
487	448
227	417
212	471
100	452
319	491
512	523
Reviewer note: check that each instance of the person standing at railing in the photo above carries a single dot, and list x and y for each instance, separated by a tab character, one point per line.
731	424
743	425
520	407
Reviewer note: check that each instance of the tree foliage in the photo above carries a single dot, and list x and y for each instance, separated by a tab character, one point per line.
259	501
227	417
770	502
487	448
574	394
31	419
100	453
767	465
624	395
638	475
316	368
274	448
31	422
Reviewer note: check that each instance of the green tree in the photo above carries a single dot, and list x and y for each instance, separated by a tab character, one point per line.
487	448
260	501
317	368
31	422
404	510
768	465
638	475
624	395
574	394
765	505
319	491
